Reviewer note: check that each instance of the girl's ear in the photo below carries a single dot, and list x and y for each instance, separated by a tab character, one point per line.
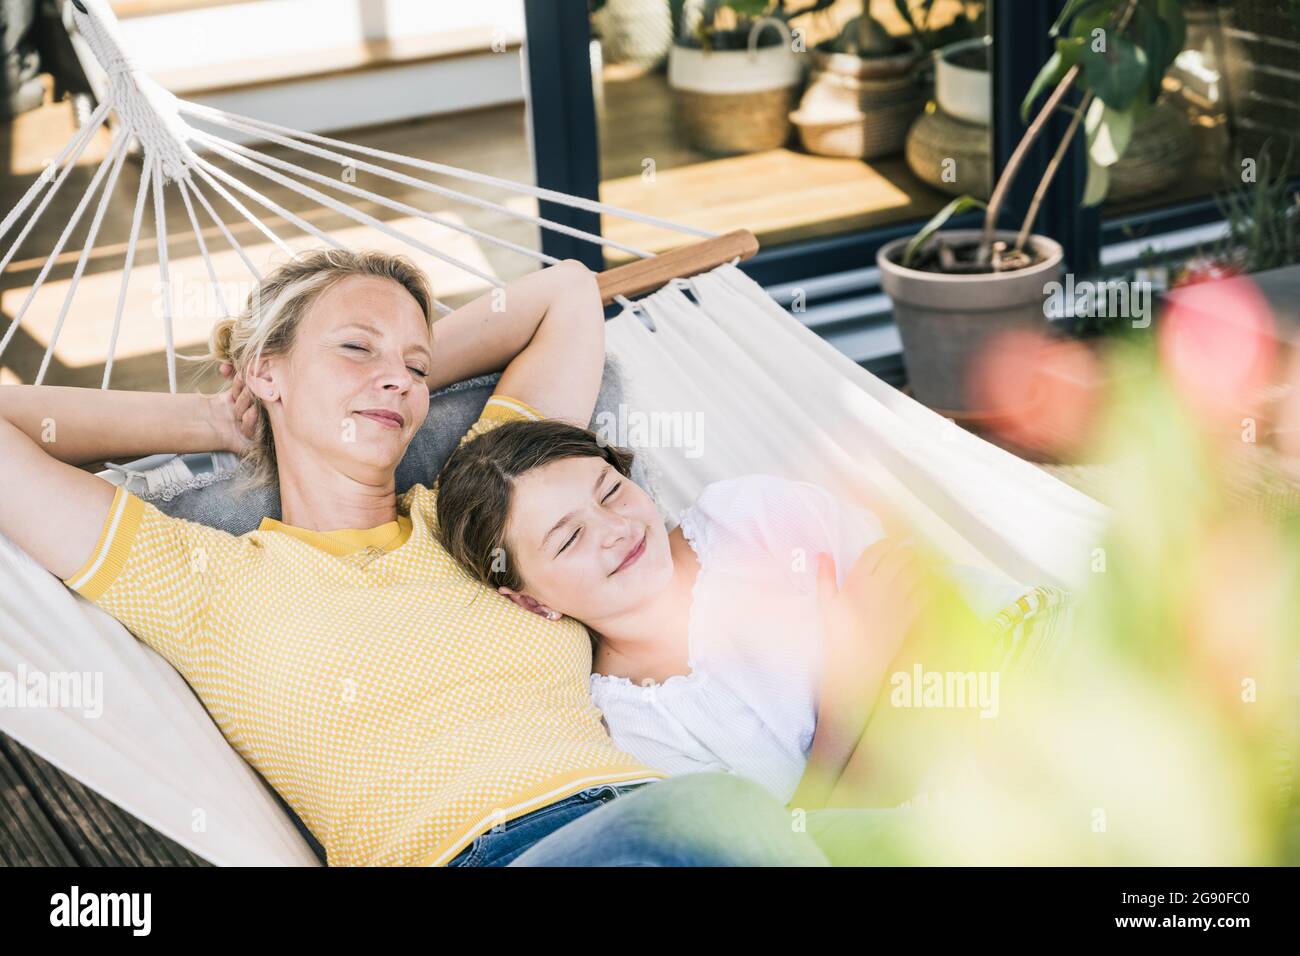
530	603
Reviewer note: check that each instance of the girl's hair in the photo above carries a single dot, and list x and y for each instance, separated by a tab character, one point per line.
475	489
269	323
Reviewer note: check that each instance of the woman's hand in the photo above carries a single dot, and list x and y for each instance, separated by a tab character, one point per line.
232	415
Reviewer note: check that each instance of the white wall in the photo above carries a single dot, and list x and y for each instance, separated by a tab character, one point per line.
270	28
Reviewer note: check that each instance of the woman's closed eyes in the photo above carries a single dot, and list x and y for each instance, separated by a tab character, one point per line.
358	347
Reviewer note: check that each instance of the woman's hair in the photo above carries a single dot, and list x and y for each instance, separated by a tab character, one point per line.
269	323
475	489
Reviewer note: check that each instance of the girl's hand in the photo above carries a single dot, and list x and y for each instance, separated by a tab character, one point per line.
866	621
232	414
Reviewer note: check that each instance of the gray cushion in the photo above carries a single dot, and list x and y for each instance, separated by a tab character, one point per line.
229	505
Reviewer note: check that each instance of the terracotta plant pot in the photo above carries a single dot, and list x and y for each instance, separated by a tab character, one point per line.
945	321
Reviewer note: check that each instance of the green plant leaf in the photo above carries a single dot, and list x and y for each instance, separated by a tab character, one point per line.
1057	65
1088	20
1117	75
1098	183
1109	132
1154	36
748	8
1073	8
1047	78
955	208
1171	11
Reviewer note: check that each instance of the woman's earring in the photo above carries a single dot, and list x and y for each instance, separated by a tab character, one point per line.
553	615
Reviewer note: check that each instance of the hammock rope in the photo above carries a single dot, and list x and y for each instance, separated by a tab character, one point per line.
264	128
117	156
345	160
153	118
393	204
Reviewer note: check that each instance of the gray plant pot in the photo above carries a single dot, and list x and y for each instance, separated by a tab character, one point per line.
945	320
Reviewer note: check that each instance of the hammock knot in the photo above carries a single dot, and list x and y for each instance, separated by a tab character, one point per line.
146	110
118	65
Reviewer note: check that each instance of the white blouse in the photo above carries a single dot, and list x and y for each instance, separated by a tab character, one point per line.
749	704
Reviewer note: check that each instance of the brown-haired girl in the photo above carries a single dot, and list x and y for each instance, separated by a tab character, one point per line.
708	650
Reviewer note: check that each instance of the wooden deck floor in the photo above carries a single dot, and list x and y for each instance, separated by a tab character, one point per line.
50	819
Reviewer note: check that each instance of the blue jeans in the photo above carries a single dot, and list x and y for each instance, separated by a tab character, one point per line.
697	819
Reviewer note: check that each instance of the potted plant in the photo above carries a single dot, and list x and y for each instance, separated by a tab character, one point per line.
958	130
735	73
963	81
864	92
954	290
963	85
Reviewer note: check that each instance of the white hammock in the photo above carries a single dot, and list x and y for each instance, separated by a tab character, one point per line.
759	391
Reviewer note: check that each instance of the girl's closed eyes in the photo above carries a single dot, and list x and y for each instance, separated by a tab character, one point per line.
608	496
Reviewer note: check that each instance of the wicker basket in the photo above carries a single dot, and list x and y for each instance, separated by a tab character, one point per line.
936	137
735	101
1157	157
846	116
729	123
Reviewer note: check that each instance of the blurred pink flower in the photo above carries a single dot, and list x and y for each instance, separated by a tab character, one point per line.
1219	346
1037	392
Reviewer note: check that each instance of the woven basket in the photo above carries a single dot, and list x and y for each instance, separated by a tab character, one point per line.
868	68
730	123
845	116
936	137
1157	156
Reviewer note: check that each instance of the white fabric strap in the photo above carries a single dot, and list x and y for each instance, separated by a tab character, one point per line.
208	170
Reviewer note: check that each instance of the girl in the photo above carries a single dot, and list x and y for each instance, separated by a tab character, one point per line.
707	640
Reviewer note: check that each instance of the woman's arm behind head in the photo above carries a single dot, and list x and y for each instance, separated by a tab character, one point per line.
51	510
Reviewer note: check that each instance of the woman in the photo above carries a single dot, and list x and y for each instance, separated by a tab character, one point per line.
401	709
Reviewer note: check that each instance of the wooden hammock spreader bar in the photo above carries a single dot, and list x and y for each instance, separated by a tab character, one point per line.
684	262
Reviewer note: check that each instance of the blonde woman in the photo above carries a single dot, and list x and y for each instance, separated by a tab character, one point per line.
408	714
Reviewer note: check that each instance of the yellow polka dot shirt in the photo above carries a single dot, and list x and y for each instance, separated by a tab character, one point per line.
398	706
